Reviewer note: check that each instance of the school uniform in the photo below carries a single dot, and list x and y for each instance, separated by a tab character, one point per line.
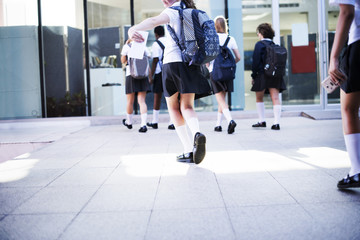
133	85
157	52
262	82
350	61
178	76
223	86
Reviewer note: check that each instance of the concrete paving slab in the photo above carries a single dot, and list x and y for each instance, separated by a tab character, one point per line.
194	224
110	198
340	220
252	190
124	225
11	198
289	221
196	189
40	226
57	200
82	177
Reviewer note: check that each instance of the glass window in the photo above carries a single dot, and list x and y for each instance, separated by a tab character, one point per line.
332	16
302	75
108	22
19	72
63	38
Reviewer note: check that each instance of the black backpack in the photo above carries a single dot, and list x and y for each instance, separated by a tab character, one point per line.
224	67
275	60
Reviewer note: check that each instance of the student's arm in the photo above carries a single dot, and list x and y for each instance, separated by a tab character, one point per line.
237	55
153	68
346	16
147	24
123	59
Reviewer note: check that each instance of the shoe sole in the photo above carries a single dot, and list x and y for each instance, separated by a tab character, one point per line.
200	152
354	185
232	129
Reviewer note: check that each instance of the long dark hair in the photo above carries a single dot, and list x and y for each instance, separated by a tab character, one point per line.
189	3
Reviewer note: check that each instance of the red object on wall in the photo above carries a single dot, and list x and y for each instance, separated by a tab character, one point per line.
303	58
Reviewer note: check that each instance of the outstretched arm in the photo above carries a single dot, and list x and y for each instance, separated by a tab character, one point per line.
346	17
147	24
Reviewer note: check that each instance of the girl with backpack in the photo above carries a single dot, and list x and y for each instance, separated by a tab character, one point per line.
132	86
262	84
181	82
223	86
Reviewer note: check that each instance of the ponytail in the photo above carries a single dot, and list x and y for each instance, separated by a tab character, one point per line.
189	3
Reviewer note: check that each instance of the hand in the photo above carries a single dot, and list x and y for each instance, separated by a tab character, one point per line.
134	35
151	79
336	75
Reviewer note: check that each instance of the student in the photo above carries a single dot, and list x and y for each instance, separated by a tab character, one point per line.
180	82
220	88
261	83
157	53
132	86
348	29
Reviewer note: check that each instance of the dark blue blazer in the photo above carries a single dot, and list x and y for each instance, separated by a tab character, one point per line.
259	55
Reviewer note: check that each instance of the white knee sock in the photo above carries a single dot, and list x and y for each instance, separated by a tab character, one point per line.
129	118
184	138
219	119
227	115
193	124
352	142
277	113
155	116
143	119
260	107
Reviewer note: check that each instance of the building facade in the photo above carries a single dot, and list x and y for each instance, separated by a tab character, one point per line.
62	58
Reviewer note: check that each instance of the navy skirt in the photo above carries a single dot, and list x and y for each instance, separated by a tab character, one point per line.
181	78
261	82
157	84
351	65
133	85
222	86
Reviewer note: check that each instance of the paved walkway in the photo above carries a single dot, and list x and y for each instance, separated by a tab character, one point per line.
86	180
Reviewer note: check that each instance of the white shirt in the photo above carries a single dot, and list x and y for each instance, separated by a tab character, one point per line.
231	45
172	51
354	34
124	52
157	52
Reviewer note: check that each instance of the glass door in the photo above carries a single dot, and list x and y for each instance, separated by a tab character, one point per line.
63	38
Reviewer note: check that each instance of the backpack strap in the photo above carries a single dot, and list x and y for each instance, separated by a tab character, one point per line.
162	47
227	41
172	31
160	44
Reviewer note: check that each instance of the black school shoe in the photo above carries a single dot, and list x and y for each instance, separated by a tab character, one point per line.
350	182
231	127
218	129
199	147
143	129
275	127
259	124
129	126
153	125
185	157
171	127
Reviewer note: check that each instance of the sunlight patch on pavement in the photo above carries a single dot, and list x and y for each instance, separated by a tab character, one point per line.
14	170
152	165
